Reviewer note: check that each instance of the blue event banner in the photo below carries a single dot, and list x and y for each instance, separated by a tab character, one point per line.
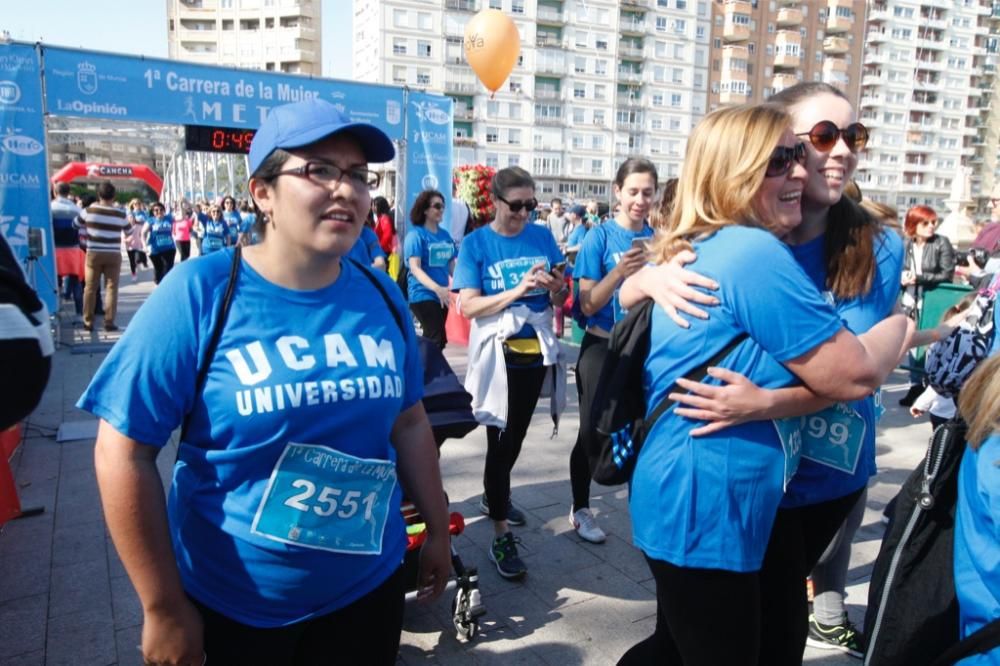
119	87
24	191
429	127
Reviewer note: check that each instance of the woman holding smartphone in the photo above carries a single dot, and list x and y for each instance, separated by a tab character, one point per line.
609	254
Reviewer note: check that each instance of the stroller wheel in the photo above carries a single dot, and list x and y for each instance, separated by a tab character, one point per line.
466	626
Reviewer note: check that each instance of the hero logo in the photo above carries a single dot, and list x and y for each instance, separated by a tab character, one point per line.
10	92
25	146
431	112
86	78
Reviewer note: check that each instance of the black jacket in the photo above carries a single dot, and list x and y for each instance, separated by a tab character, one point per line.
938	264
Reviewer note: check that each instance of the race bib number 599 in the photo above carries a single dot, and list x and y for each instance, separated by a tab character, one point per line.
321	498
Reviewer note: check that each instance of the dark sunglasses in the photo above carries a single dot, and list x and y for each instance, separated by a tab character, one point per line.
516	206
824	134
437	206
782	159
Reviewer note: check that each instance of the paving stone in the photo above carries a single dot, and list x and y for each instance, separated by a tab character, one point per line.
36	658
80	587
86	637
127	642
24	574
22	625
81	542
126	608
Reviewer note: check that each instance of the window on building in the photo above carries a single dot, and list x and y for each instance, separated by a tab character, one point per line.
601	67
514	111
513	160
516	6
601	44
579	91
578	116
492	135
493	160
597	167
399	46
423	77
678	75
423	49
514	137
656	123
400	18
496	4
424	20
675	99
657	99
492	108
515	84
598	117
580	65
398	75
661	24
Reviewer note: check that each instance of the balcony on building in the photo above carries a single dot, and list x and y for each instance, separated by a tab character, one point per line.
873	76
933	17
840	16
633	123
632	24
640	4
736	24
460	84
460	5
628	99
463	135
551	65
547	88
789	17
630	74
930	39
551	14
930	64
927	81
874	57
836	45
870	100
787	48
875	35
731	52
835	65
551	117
630	49
549	39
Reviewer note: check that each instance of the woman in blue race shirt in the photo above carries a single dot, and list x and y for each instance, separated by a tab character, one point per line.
702	508
977	516
508	278
233	220
610	253
284	508
430	256
158	236
212	231
248	220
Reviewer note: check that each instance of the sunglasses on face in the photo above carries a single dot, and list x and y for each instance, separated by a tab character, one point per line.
437	206
924	223
824	135
516	206
782	159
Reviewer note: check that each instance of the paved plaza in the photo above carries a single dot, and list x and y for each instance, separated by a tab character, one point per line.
65	598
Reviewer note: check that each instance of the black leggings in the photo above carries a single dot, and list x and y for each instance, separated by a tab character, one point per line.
798	539
431	316
136	257
365	632
503	446
704	617
162	263
185	249
593	351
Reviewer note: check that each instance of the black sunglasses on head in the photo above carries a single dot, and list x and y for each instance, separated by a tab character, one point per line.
516	206
782	158
824	135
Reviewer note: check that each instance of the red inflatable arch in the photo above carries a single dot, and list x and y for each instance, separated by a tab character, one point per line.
93	171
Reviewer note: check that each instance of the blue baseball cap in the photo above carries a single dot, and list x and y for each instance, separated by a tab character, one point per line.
578	210
302	123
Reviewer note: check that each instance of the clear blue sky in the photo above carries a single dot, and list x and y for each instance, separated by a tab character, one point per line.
139	27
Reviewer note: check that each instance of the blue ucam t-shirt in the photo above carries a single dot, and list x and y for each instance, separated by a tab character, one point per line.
435	251
977	553
602	249
234	222
292	427
826	477
215	235
493	264
577	235
366	249
709	502
161	234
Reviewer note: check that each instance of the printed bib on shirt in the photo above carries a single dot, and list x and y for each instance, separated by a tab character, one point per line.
161	242
832	437
321	498
211	244
790	434
512	271
439	254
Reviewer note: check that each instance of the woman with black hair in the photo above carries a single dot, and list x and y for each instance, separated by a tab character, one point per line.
430	258
384	227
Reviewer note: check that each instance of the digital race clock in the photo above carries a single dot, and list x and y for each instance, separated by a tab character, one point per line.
218	139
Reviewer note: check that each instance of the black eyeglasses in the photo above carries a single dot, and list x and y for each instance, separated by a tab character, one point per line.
824	135
324	173
782	159
437	206
516	206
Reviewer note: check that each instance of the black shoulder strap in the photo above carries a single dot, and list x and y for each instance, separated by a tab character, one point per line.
696	375
980	641
381	290
213	341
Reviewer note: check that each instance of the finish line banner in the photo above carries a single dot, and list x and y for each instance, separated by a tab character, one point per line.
118	87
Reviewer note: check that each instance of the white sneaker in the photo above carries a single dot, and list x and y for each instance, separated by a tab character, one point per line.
585	524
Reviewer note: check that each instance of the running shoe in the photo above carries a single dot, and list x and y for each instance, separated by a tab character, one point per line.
515	516
843	637
503	553
585	524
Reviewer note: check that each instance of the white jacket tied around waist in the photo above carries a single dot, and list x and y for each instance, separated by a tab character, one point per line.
486	377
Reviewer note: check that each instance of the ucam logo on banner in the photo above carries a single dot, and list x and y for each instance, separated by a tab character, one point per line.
24	191
429	150
106	85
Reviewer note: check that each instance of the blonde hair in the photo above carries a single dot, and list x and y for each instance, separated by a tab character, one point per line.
979	401
134	203
724	165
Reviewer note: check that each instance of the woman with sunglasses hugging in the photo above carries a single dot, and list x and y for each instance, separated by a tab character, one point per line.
928	260
430	258
509	275
609	254
281	541
702	507
853	261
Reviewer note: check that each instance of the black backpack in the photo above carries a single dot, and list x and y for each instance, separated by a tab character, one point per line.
620	425
950	361
912	612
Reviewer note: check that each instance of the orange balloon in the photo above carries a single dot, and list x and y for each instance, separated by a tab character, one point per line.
492	45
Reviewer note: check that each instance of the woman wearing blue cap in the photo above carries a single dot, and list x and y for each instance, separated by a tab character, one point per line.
284	508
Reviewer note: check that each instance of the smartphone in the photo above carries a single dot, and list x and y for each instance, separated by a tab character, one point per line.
560	267
641	243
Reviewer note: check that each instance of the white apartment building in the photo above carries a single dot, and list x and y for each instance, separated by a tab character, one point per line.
926	90
597	81
272	35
